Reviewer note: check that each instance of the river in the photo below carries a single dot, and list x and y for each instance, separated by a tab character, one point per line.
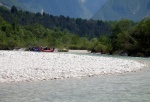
128	87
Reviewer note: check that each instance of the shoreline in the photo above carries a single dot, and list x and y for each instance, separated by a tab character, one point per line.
23	66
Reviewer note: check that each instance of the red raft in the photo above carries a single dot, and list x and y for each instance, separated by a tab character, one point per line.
47	50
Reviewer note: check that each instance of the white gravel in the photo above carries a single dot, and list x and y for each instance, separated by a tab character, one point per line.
20	66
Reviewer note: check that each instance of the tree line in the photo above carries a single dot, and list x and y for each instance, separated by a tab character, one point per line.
82	27
123	37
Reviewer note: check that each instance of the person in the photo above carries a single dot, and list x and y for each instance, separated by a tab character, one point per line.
33	48
46	48
30	48
53	49
41	48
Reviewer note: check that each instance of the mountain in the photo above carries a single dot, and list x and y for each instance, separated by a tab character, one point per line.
72	8
94	5
96	9
129	9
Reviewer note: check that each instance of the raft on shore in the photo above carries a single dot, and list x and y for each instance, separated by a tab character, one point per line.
41	49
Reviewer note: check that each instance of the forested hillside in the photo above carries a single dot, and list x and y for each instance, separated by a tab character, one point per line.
24	29
13	35
82	27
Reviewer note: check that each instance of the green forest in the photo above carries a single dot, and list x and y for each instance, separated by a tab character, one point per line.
23	29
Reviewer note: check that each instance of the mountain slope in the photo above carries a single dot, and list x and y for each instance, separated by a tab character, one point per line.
71	8
94	5
128	9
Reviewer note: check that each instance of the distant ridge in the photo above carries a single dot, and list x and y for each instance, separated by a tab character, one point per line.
134	10
106	10
73	8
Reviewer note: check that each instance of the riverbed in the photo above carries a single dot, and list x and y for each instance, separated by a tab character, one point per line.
126	87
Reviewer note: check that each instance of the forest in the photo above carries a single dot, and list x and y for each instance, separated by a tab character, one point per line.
23	29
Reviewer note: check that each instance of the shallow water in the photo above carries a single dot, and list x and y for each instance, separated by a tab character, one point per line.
129	87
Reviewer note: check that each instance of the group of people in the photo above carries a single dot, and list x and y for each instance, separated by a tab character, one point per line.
34	48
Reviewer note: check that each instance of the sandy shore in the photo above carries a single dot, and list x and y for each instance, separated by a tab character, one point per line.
79	51
21	66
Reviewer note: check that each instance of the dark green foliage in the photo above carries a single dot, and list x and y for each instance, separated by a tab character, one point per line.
13	9
130	38
141	34
121	35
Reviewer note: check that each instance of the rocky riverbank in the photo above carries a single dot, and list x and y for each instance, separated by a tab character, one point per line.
22	66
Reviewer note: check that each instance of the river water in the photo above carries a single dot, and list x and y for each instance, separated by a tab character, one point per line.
128	87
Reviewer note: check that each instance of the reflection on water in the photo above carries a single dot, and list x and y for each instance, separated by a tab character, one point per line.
129	87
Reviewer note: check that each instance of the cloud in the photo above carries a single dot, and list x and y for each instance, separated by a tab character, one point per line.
82	1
